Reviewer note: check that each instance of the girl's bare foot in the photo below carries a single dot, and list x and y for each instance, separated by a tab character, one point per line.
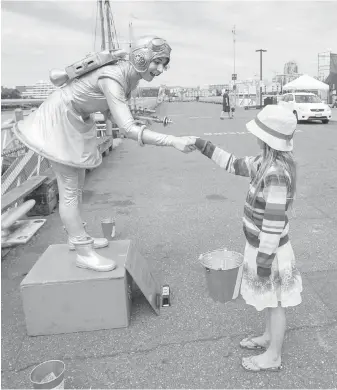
265	361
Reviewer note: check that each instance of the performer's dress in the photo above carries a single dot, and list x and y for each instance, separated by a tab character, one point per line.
63	129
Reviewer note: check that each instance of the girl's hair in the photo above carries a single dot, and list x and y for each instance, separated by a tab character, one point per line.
286	160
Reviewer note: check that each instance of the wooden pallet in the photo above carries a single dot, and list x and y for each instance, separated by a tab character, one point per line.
18	193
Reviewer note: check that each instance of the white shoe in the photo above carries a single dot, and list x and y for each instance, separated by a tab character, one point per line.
98	243
87	258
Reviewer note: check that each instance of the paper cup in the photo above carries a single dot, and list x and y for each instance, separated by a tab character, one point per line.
108	227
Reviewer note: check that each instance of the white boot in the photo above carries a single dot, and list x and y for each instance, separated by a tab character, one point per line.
89	259
100	242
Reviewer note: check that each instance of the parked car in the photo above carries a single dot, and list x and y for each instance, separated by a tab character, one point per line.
306	106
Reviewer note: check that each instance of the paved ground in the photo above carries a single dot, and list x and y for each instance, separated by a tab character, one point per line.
174	207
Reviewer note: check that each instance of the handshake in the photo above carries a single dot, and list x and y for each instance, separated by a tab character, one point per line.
184	144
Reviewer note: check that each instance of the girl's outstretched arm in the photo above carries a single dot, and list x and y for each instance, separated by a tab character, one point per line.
238	166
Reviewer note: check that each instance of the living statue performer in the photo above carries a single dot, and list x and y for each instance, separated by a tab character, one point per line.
63	130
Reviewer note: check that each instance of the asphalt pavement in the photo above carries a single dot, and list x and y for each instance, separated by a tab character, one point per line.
175	207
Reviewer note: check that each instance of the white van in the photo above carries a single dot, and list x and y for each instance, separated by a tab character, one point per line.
306	106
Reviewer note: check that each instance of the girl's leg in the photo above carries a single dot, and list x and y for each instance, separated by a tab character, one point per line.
278	329
272	356
264	339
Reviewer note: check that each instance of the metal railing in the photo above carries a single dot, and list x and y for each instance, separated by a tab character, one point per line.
18	163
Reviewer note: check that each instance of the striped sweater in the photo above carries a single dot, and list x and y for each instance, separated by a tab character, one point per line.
265	224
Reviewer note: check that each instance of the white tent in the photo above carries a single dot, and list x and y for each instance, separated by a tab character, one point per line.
306	82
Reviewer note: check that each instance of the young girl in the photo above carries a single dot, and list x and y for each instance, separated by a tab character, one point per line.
270	279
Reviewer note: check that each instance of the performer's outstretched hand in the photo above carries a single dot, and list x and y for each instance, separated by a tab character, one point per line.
184	144
193	138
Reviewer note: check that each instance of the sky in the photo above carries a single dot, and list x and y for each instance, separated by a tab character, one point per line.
37	36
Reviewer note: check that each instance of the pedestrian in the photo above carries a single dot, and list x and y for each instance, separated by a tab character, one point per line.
232	104
225	105
271	281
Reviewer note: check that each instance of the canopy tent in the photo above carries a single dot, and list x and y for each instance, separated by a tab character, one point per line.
306	82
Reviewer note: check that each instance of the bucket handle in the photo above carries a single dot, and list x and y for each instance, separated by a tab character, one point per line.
209	252
213	250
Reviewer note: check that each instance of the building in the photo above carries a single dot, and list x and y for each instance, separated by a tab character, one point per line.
41	90
216	89
290	68
329	72
290	73
148	92
23	88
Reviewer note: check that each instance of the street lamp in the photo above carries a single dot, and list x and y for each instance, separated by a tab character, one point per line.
234	74
261	51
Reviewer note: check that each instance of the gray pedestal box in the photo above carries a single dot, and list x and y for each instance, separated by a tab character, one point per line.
59	297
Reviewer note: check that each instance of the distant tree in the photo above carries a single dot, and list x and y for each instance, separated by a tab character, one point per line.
10	93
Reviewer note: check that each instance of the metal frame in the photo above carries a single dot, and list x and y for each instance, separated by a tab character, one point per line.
323	65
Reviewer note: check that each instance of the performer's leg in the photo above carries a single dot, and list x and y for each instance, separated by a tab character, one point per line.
68	184
81	180
100	242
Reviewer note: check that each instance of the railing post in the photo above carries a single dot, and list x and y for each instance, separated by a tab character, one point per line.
39	159
18	113
108	128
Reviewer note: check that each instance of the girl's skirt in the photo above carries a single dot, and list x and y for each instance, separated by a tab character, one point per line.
283	287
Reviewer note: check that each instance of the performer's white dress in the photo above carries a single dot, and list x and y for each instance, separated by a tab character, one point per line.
63	129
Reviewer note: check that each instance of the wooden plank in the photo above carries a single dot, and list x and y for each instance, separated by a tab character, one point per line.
19	192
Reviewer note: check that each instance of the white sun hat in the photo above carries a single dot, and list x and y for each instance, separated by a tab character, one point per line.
274	125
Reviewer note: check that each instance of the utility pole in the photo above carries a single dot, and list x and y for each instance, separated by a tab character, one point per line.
261	51
234	85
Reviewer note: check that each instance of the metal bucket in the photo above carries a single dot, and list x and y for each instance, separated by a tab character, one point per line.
48	375
223	271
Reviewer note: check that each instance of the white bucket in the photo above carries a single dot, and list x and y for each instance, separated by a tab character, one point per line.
48	375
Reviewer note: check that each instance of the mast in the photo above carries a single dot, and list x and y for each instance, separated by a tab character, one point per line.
108	22
102	24
130	35
114	27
